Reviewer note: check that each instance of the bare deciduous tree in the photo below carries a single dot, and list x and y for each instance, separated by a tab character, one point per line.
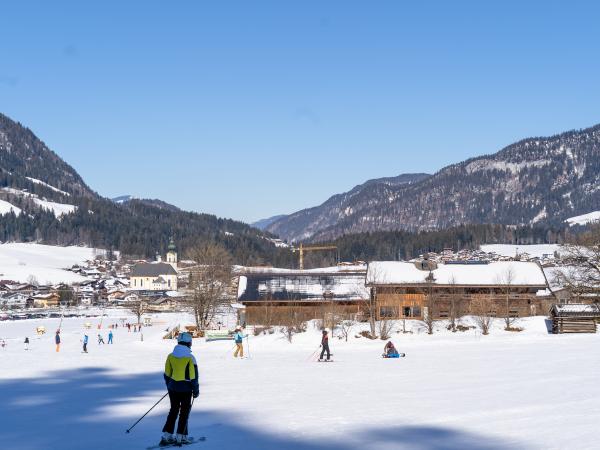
429	315
346	327
209	282
481	308
292	321
138	307
506	280
581	276
385	328
455	311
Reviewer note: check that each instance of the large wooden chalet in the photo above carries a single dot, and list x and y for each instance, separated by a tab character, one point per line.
416	289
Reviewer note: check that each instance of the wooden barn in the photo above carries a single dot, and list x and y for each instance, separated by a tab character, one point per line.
416	289
274	296
572	318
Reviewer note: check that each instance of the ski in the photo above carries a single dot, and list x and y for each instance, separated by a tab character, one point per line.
175	444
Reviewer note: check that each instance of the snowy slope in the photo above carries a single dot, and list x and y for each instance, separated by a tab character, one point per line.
527	390
18	261
6	207
58	209
36	181
584	219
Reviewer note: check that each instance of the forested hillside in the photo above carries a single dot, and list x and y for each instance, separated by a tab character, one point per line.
44	199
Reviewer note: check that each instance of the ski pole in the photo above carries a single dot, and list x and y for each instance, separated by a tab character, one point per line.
140	419
313	354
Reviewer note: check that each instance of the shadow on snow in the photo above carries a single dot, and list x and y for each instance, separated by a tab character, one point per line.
80	409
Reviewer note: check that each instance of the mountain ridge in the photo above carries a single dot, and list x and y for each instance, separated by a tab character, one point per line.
534	180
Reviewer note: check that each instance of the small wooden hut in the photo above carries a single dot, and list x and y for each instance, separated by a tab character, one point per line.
574	318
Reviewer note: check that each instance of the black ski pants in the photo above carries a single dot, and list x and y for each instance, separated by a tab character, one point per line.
181	403
325	349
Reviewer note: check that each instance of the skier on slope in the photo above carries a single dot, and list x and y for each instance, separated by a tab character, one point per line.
57	340
325	345
85	343
26	343
238	337
110	336
181	377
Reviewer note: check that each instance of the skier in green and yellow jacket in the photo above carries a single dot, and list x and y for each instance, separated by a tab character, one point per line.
181	377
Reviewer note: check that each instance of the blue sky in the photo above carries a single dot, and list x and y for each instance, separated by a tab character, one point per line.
250	109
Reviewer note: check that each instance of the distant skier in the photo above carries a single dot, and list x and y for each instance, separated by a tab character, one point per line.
325	345
110	336
57	340
85	343
100	339
389	351
181	377
26	343
238	338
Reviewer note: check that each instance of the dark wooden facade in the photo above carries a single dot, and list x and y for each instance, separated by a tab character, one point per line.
417	300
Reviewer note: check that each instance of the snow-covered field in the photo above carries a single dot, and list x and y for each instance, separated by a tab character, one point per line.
584	219
527	390
19	261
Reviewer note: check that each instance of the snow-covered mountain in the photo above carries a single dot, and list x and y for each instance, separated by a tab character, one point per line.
541	180
306	223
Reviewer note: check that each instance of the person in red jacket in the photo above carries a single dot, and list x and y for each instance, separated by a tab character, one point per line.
325	346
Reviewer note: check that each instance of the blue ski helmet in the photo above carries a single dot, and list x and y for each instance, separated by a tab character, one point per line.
184	338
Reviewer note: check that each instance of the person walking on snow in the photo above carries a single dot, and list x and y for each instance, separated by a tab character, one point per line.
238	337
100	339
110	335
85	342
57	340
181	378
26	343
325	345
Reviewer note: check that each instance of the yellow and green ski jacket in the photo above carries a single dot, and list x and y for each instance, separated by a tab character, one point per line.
181	370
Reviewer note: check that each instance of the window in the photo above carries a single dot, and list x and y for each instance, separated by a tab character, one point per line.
169	282
444	314
388	312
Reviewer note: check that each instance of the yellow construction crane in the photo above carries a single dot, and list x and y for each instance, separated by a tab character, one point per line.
312	248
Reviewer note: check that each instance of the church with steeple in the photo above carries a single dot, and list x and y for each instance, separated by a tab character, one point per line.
172	254
158	275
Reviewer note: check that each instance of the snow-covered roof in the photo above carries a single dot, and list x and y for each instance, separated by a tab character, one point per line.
303	285
494	273
578	308
318	270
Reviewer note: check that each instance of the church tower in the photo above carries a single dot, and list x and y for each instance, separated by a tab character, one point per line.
172	254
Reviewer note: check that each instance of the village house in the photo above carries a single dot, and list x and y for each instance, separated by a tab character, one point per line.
49	300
